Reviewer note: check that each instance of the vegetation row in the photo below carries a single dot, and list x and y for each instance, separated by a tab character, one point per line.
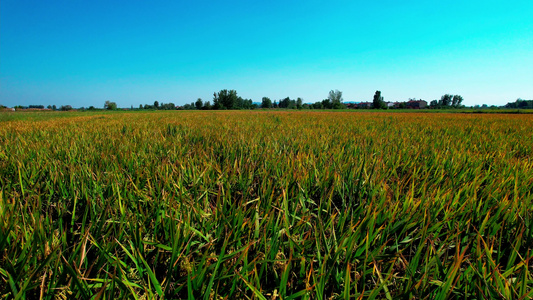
228	99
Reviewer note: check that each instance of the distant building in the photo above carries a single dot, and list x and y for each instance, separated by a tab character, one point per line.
351	105
417	104
365	105
393	104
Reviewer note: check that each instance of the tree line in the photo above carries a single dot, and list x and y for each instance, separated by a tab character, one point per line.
229	99
520	104
447	101
50	107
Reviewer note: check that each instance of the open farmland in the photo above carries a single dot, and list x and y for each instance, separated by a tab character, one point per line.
275	205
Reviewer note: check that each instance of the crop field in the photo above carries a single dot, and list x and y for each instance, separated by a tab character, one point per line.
266	205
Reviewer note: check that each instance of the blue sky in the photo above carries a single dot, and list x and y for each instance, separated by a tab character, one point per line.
83	53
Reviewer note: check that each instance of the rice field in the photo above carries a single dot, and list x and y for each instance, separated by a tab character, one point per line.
266	205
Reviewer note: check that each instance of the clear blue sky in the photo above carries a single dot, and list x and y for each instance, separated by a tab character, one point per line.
83	53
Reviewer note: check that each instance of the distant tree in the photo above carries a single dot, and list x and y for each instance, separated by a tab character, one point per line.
457	100
246	103
65	107
92	107
292	104
434	104
445	101
229	99
225	99
156	104
378	102
216	102
241	103
285	102
335	99
335	96
167	106
49	107
207	105
326	103
454	101
299	103
318	105
110	105
54	107
520	103
199	103
238	103
266	102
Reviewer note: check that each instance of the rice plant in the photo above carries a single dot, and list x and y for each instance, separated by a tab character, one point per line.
266	205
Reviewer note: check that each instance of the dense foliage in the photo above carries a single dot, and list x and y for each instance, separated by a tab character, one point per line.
447	101
266	205
520	103
378	102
